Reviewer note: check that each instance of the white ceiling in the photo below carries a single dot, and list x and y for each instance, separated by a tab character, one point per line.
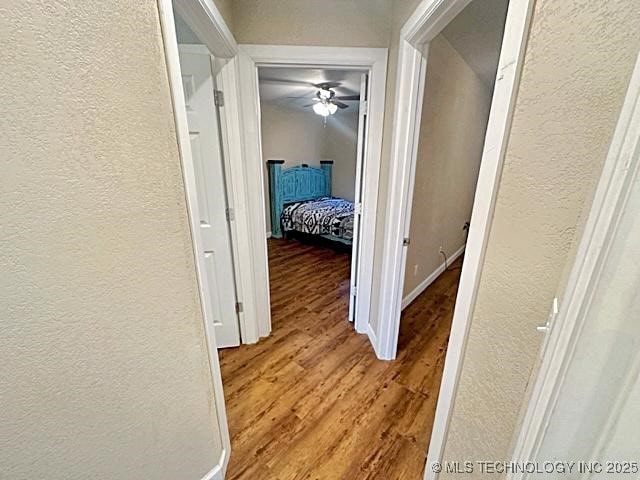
294	87
476	33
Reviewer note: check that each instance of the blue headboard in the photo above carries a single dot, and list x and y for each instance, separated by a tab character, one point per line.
295	184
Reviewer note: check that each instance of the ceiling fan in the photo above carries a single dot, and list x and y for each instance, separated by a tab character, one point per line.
327	102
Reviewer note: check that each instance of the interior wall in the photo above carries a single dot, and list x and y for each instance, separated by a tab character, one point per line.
291	134
103	365
455	111
225	7
567	106
356	23
476	33
341	146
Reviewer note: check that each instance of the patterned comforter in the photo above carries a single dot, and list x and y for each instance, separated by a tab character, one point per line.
322	216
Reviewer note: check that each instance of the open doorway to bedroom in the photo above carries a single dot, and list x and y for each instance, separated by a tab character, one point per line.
308	183
312	134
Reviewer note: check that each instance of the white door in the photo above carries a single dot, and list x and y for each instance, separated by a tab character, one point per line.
206	150
585	407
361	155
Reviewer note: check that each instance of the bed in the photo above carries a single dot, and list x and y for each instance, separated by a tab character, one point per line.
301	202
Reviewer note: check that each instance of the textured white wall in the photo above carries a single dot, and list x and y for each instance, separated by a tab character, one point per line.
576	71
353	23
455	111
103	364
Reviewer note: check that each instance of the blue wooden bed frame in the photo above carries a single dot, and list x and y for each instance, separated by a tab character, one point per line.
297	184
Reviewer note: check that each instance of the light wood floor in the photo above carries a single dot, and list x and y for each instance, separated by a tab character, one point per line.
312	401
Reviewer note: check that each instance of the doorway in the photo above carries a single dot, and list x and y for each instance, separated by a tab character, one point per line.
372	63
427	22
458	89
313	124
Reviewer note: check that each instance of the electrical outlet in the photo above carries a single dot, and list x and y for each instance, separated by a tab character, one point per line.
415	270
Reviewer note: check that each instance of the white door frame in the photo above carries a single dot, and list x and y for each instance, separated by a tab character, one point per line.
358	191
250	58
620	168
222	45
206	21
248	295
234	237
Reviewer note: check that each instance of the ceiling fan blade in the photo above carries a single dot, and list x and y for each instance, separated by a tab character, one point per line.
340	104
348	97
284	81
327	85
298	97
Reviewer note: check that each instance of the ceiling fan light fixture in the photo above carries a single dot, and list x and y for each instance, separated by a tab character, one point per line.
322	109
332	107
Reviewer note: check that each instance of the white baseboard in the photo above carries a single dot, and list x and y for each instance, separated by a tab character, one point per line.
217	472
214	474
406	301
373	338
268	234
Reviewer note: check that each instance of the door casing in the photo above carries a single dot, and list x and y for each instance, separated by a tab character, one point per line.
373	60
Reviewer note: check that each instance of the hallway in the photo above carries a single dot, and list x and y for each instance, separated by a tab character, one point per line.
312	401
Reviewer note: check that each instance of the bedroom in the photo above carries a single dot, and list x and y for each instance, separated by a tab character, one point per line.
309	127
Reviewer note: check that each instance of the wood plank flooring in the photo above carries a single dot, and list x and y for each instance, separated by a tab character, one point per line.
312	401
